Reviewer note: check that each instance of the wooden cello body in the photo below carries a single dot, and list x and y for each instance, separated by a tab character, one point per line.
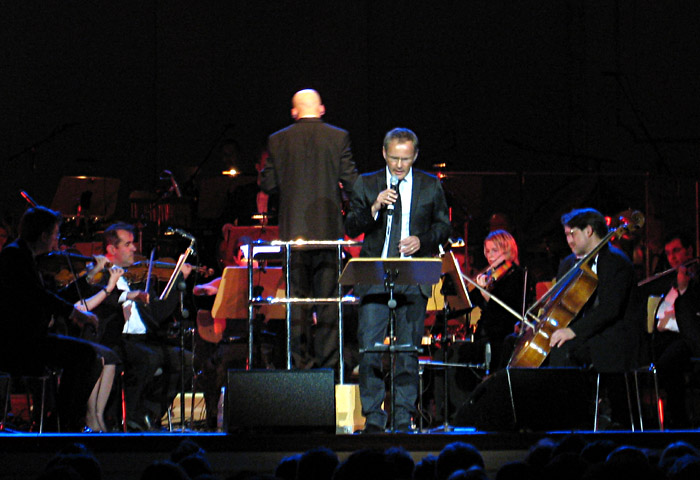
533	347
563	302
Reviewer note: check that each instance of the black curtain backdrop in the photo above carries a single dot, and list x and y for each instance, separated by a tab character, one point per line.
127	89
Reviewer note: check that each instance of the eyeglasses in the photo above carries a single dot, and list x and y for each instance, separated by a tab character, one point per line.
570	233
399	159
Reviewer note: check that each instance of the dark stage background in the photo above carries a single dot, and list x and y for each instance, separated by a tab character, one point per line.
597	92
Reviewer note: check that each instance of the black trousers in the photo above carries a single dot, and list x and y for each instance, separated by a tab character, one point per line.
81	366
314	274
152	372
672	357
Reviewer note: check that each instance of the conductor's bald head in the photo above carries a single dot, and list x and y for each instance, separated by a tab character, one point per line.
307	104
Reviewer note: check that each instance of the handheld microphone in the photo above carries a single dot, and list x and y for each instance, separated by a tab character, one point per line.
394	185
182	233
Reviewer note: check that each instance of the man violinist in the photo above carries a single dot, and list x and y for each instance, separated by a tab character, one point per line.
676	335
603	334
132	320
29	310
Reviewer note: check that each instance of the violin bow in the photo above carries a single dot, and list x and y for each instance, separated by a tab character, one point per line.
150	270
177	270
498	301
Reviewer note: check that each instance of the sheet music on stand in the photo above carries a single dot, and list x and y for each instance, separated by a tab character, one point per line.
409	271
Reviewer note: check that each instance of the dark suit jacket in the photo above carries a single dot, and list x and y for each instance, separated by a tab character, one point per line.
27	308
607	326
429	216
687	307
153	315
306	162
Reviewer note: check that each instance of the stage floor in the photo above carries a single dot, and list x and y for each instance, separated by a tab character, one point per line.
124	456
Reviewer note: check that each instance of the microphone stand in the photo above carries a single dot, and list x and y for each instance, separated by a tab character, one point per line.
181	286
184	314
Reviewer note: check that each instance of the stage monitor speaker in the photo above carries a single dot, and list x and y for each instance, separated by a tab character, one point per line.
281	400
530	399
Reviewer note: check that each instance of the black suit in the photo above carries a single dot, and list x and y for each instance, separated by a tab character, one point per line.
307	162
607	332
672	351
26	346
429	221
143	355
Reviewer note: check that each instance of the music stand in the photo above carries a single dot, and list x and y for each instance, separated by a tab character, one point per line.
232	298
456	298
391	272
97	196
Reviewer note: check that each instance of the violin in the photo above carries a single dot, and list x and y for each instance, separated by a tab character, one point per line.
686	264
66	267
495	273
162	270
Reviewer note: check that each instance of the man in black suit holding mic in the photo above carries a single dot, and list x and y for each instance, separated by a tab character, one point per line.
403	213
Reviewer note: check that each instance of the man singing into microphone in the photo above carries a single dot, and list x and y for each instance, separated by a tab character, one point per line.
403	213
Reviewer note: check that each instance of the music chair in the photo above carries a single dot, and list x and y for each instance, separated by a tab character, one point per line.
692	383
49	374
653	303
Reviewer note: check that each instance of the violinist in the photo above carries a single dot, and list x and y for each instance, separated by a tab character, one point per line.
604	334
676	335
505	278
132	320
29	310
94	416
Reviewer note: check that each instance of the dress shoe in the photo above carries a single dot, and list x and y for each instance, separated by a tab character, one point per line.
135	426
371	429
404	428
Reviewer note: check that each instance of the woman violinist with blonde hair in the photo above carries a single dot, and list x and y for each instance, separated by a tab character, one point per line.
505	279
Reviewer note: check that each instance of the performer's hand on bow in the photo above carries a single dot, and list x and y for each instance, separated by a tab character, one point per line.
186	269
138	296
683	279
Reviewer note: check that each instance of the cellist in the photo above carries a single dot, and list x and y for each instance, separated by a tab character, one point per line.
604	334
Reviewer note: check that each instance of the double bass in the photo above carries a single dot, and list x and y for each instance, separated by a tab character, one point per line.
563	302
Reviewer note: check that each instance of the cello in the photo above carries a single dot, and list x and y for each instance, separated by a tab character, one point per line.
563	302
